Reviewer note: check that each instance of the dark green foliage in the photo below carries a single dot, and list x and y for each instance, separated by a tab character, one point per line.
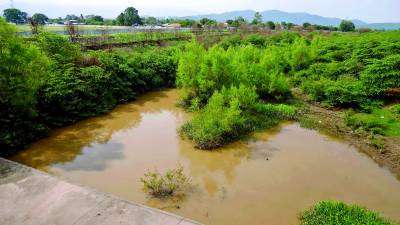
59	48
129	17
271	25
40	18
338	213
15	16
346	26
54	83
73	92
21	69
237	22
381	75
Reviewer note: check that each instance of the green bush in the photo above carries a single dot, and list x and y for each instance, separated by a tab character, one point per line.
395	109
347	70
230	114
51	82
59	48
338	213
381	75
379	121
72	92
22	67
201	73
169	184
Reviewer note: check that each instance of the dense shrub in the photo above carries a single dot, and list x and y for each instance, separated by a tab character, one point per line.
72	92
202	72
59	48
52	83
231	113
338	213
381	75
348	71
22	67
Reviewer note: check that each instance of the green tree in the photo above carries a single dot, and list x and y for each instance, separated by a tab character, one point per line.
40	18
207	22
121	19
94	18
306	25
150	20
271	25
257	19
237	22
72	17
290	25
15	16
346	26
131	16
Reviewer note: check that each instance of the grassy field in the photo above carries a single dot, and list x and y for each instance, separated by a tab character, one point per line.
25	27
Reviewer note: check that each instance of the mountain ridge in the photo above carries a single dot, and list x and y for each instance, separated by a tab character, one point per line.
293	17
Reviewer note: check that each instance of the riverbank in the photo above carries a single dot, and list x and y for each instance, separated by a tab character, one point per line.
384	150
289	165
28	196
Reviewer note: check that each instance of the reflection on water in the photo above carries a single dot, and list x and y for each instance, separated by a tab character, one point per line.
267	179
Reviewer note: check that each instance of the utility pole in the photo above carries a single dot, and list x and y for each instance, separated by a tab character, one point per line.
12	4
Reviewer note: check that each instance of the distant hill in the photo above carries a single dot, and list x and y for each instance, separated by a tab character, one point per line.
297	18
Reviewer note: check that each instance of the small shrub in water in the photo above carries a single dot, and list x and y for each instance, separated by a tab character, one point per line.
165	185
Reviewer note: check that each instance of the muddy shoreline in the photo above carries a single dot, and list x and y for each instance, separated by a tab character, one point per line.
332	122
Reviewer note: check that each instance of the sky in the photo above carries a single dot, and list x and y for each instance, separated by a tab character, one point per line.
373	11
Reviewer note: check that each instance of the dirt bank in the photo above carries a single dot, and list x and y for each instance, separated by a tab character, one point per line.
384	150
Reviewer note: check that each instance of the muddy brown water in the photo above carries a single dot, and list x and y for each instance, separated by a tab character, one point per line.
268	179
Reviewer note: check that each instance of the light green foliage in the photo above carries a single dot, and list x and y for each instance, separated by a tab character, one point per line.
248	70
379	121
349	70
299	55
201	72
395	110
172	182
232	113
338	213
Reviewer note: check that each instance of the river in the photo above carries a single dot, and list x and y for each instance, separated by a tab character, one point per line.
268	179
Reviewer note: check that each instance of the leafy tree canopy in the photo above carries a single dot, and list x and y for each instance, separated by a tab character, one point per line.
15	16
40	18
346	26
257	19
